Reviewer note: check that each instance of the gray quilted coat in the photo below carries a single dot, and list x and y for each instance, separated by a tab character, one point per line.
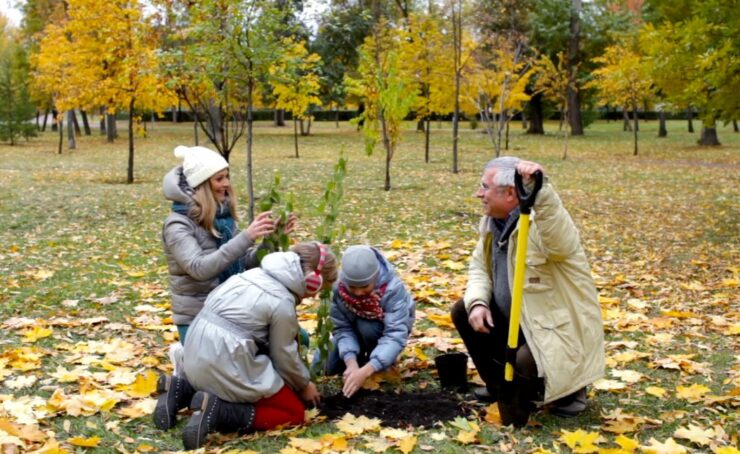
242	346
194	259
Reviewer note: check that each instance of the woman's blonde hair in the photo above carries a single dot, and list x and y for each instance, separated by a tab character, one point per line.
205	206
309	254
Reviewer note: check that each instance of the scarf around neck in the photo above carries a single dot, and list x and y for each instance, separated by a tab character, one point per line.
226	226
368	306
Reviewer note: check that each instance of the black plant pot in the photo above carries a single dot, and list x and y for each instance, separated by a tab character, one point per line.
453	370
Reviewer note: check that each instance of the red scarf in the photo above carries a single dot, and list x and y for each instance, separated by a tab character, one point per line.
367	306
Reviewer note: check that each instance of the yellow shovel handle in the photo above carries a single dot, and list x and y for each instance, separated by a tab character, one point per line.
516	296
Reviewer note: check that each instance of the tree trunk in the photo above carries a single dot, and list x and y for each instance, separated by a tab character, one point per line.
690	117
709	137
54	120
85	123
46	116
662	131
279	117
635	118
562	120
626	123
506	146
71	140
574	96
457	39
295	135
102	121
634	113
61	134
130	174
388	151
525	125
216	126
250	107
110	127
420	125
76	124
310	123
426	141
734	126
565	142
536	120
38	122
336	116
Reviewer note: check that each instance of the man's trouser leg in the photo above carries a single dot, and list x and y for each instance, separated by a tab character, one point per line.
485	349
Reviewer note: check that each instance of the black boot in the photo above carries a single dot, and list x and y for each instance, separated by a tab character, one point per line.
210	414
175	394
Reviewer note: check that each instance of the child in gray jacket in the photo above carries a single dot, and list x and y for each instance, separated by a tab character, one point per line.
373	314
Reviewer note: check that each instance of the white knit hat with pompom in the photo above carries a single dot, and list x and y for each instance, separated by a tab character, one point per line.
199	163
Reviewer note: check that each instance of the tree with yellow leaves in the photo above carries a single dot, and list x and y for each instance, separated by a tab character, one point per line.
553	79
295	82
103	54
622	79
426	57
389	92
496	89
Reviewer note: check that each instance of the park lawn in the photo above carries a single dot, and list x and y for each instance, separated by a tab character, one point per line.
84	303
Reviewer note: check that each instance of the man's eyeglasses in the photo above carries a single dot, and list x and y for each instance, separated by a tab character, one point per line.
485	187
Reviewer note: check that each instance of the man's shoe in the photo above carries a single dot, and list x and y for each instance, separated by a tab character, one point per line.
203	421
175	394
570	406
484	395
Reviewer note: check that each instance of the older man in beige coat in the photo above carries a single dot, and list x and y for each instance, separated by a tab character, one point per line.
561	338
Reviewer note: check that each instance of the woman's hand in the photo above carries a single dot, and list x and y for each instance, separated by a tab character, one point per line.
311	395
290	225
355	379
261	226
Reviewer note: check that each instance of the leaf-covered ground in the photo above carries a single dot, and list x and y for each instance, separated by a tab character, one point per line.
84	305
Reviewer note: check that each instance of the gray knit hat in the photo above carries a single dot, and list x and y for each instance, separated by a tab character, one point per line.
359	266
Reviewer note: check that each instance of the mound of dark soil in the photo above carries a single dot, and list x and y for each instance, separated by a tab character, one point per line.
397	410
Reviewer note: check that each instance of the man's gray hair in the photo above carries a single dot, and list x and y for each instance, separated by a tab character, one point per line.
506	168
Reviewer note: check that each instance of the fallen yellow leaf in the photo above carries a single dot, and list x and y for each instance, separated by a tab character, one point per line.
692	393
36	333
580	441
91	442
353	425
656	391
669	447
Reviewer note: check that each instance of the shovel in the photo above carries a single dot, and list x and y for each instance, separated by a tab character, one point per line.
512	410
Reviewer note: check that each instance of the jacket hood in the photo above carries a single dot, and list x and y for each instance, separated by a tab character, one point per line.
173	188
285	267
385	274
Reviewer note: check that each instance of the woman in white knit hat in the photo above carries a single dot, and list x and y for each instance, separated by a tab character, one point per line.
203	245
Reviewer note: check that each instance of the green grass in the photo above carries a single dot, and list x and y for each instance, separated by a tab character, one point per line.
660	227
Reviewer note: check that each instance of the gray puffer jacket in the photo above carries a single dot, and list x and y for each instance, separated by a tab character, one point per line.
242	346
194	259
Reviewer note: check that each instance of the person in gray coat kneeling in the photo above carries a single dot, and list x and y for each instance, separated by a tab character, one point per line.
241	355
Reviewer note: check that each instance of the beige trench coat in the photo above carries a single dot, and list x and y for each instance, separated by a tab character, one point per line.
561	317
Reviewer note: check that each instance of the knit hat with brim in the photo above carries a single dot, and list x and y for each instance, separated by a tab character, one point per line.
360	266
199	164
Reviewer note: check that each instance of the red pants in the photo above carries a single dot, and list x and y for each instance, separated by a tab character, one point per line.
282	408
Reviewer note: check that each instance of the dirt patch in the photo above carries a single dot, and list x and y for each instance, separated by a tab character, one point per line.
397	410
